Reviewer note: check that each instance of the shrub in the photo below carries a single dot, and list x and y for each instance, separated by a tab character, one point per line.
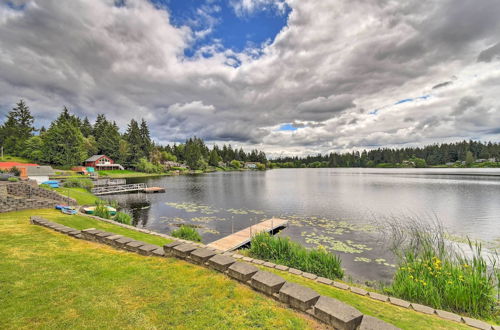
13	179
102	211
435	272
79	183
282	251
147	167
186	232
123	217
236	164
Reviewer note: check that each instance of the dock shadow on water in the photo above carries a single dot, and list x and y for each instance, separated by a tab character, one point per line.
325	207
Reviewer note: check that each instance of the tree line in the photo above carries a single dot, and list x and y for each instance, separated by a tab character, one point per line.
431	155
69	140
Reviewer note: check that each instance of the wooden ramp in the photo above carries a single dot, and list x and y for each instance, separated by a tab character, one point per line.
243	237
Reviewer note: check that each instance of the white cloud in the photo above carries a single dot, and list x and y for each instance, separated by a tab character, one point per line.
332	65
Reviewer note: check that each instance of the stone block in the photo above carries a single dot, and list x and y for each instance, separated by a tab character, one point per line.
297	296
294	271
201	256
220	262
448	315
269	264
183	250
158	252
122	242
281	267
324	280
147	249
134	246
89	234
167	248
267	282
422	308
237	256
399	302
101	237
258	262
242	271
247	259
337	314
309	276
75	232
378	296
111	239
361	292
372	323
476	323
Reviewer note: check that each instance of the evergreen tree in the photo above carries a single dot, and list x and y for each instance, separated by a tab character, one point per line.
214	158
63	143
146	145
86	127
134	140
17	129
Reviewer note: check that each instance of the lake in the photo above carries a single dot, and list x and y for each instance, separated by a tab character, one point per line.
339	209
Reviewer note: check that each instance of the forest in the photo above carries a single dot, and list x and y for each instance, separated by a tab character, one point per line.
459	154
69	140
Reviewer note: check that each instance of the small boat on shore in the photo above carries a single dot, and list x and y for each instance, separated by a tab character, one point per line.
91	210
68	210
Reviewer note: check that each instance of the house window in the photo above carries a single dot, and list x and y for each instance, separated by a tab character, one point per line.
103	161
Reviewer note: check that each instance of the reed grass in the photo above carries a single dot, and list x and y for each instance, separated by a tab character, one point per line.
101	210
188	233
283	251
436	272
123	217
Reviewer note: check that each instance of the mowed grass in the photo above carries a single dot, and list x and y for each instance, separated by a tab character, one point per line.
400	317
82	196
51	281
82	222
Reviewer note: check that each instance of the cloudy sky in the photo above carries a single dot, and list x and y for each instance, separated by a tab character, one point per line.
286	76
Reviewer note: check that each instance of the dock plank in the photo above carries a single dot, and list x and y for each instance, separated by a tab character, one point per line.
242	237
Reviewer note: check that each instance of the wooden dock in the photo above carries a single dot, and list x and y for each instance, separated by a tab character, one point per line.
242	237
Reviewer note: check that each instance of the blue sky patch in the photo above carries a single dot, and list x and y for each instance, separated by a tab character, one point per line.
287	127
226	28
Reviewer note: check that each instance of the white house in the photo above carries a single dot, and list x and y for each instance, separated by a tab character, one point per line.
39	173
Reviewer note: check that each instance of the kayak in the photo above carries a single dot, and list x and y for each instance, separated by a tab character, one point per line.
68	210
60	206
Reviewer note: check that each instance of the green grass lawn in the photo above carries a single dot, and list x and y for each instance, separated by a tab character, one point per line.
52	281
7	158
82	196
125	174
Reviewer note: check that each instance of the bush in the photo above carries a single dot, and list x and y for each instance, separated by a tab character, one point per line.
123	217
13	179
186	232
236	164
261	167
434	272
102	211
147	167
285	252
79	183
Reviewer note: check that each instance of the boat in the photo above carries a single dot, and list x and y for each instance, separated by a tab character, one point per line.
60	206
68	210
91	210
52	183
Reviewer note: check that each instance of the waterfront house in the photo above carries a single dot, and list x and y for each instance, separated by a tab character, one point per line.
169	164
39	173
102	162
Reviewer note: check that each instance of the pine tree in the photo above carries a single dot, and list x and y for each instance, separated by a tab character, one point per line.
146	145
17	129
86	127
134	139
214	158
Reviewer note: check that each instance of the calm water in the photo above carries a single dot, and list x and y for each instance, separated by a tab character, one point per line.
336	208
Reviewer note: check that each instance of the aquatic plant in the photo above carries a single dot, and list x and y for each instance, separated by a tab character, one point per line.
186	232
102	211
436	272
123	217
282	250
79	183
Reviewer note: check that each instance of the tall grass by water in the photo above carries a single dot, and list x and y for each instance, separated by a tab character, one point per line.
283	251
188	233
436	272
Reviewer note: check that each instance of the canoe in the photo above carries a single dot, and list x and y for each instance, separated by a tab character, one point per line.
60	206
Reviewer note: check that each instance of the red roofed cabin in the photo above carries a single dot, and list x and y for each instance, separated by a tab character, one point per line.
102	162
